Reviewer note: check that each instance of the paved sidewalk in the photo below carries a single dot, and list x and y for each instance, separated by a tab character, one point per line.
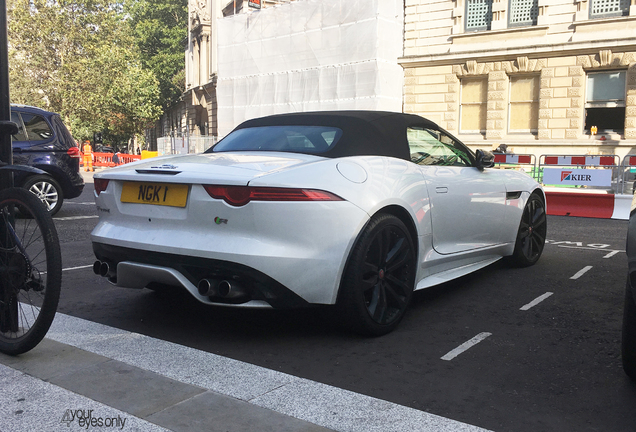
51	383
118	380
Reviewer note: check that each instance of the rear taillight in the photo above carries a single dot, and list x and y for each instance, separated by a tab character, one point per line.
100	185
240	195
73	152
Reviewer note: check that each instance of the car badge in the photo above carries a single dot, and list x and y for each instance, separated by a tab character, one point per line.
220	221
165	166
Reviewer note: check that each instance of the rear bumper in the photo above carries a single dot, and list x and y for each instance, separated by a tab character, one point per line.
133	268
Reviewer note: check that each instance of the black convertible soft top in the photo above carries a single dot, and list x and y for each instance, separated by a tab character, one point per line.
364	133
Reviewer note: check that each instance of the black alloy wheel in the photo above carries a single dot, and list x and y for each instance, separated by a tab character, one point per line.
380	277
532	233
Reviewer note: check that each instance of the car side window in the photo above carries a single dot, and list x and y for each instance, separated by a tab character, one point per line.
433	147
20	136
37	129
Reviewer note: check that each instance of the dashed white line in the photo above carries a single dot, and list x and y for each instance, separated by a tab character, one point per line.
535	301
77	268
612	253
76	217
581	272
466	345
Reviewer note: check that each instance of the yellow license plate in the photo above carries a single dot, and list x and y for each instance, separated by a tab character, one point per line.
167	194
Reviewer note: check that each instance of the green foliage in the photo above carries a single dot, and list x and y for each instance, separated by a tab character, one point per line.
160	28
79	58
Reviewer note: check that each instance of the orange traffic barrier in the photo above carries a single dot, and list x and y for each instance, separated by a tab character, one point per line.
106	159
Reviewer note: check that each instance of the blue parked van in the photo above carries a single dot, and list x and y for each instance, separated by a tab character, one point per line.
44	142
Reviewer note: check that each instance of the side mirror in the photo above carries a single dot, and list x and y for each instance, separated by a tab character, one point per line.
484	159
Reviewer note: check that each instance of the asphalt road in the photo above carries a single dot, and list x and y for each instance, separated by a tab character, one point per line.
553	365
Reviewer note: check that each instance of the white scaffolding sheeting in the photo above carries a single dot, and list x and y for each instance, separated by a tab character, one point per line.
310	55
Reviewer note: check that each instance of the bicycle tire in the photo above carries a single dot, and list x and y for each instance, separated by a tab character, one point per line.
30	271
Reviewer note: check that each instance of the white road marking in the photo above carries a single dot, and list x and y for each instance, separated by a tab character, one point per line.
581	272
76	217
466	345
77	268
611	254
535	301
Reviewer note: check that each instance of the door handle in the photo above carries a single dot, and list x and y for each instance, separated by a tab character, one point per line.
442	189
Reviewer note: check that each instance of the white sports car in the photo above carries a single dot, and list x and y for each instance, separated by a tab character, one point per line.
353	208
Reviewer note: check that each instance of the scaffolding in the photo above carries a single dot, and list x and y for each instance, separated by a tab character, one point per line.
310	55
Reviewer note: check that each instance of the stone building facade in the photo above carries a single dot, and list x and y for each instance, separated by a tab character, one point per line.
195	115
538	75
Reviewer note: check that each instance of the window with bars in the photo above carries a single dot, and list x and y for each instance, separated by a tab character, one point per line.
523	13
478	14
608	8
524	104
605	101
474	99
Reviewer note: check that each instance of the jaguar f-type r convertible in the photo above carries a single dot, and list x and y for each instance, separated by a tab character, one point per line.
352	208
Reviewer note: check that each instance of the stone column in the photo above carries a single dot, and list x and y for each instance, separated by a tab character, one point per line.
499	15
582	10
576	93
545	96
497	105
451	116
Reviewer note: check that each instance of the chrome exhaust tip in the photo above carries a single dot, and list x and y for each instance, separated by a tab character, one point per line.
208	287
229	289
101	268
104	269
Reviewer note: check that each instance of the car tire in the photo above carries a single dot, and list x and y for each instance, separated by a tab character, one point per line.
377	285
628	344
531	234
48	190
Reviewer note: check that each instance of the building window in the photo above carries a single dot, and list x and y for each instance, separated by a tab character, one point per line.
605	101
474	94
524	104
478	14
608	8
523	12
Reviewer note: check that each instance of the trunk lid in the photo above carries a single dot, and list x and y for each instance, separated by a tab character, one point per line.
231	168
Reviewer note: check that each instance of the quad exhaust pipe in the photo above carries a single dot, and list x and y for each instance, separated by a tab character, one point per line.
101	268
206	287
224	289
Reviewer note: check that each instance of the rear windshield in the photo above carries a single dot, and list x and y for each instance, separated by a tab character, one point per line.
295	139
64	135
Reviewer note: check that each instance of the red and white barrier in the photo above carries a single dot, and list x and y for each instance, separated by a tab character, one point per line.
602	161
588	204
514	159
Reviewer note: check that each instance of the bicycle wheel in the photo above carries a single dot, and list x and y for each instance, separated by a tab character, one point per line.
30	271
